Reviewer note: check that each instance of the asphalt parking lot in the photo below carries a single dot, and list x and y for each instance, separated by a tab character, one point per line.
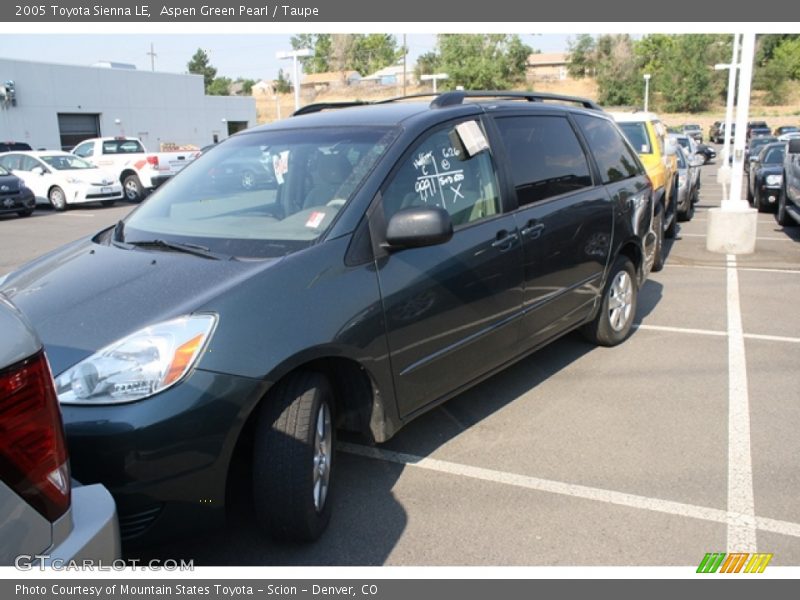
679	442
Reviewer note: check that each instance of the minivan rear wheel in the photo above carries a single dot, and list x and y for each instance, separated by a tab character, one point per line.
293	462
614	320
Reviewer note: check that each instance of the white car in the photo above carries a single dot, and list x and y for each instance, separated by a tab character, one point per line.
61	179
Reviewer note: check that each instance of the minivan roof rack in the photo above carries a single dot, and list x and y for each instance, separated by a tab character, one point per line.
457	97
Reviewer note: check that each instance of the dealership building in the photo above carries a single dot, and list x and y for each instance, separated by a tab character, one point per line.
56	106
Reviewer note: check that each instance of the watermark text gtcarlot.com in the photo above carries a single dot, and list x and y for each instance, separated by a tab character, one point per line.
42	562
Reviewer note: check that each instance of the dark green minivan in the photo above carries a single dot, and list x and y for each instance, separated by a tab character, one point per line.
382	259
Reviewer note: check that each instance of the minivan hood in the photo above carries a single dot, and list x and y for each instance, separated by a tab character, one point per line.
86	295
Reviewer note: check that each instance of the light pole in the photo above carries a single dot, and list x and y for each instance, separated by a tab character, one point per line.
435	77
729	105
646	91
294	55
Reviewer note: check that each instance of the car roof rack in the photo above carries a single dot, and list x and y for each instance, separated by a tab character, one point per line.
457	97
445	99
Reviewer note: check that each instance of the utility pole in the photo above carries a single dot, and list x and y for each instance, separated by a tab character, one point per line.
294	55
152	56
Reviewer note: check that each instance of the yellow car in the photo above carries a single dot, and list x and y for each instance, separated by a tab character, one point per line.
648	136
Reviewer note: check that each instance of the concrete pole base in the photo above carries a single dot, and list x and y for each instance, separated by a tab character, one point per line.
732	230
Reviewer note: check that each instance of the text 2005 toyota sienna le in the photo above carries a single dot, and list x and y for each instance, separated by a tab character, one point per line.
395	255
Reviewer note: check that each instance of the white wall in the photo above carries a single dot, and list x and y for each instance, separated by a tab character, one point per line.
159	107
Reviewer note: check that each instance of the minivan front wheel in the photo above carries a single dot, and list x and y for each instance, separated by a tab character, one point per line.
614	320
293	462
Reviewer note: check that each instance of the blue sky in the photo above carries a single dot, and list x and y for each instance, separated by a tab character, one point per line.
251	56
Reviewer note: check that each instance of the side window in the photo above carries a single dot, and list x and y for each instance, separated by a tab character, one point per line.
28	163
10	162
546	158
84	150
433	176
614	157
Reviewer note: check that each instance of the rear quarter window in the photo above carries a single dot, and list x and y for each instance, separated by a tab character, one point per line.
615	159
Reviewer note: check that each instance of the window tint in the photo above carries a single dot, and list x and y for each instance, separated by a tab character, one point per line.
29	163
774	154
433	176
546	158
614	157
10	161
121	147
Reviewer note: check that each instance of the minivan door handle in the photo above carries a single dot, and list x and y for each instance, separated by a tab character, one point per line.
504	240
533	230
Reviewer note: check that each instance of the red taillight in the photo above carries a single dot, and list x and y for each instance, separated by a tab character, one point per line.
152	161
33	454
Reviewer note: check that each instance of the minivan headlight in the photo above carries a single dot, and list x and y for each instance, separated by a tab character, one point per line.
139	365
774	180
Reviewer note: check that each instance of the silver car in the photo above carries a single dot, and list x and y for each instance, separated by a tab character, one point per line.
42	510
688	183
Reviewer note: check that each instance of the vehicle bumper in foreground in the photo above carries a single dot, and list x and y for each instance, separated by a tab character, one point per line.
165	458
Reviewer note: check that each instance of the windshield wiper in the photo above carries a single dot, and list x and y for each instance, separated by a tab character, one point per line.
187	248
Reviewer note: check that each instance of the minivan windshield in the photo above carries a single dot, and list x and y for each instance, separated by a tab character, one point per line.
262	194
636	132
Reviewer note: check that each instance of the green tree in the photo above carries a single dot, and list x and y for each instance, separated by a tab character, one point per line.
321	44
201	65
489	61
247	85
581	57
427	64
282	83
371	52
618	71
219	87
685	78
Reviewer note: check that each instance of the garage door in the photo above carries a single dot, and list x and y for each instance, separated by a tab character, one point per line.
76	127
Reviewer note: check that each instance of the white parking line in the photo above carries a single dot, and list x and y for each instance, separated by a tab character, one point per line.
753	269
714	332
572	490
758	239
741	531
77	214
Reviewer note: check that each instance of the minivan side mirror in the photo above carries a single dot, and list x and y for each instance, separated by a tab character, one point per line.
419	226
794	146
38	170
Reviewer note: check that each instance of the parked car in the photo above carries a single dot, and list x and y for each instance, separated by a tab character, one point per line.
44	512
14	196
719	133
766	177
688	184
707	152
649	138
754	148
756	132
788	212
789	135
139	171
779	131
13	146
757	128
242	327
61	179
253	170
694	131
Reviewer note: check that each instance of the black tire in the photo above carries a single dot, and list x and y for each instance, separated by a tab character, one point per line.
57	198
614	320
750	195
134	192
287	458
781	216
671	231
658	229
107	203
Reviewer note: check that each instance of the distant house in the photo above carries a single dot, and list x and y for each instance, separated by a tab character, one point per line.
236	89
391	75
263	88
547	66
319	82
